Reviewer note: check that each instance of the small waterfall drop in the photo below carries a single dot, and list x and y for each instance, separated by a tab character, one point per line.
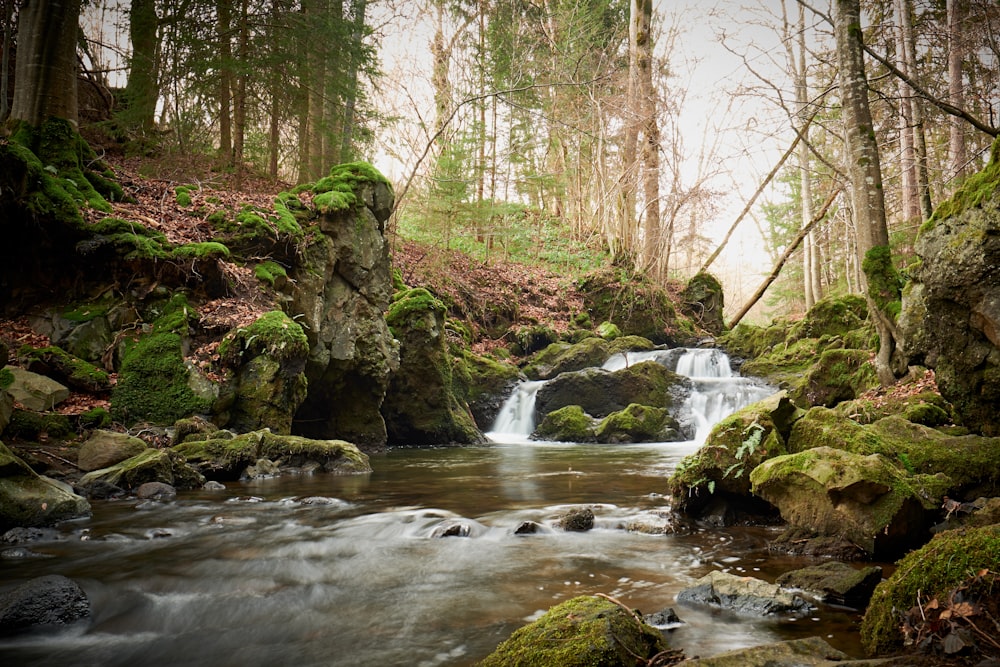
716	394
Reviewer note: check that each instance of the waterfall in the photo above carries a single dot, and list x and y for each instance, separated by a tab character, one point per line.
716	392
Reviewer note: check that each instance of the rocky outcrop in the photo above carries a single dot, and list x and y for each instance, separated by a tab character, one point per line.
340	293
34	391
421	406
586	630
29	499
639	423
43	603
863	499
950	318
703	301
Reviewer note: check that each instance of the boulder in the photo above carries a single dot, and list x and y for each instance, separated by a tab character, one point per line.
156	491
576	520
421	406
600	392
227	458
639	423
152	465
340	292
635	305
734	447
43	603
29	499
568	424
745	596
838	375
586	630
562	357
35	392
835	583
56	363
864	499
950	319
703	301
808	652
104	449
268	359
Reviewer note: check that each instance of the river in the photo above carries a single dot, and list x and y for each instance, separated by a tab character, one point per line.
328	570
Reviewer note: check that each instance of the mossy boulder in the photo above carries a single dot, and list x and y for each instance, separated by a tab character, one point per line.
835	582
833	317
703	301
639	423
151	465
567	424
561	357
950	318
421	406
926	407
932	572
31	425
581	632
104	449
268	359
866	500
838	375
482	382
808	652
600	392
733	448
64	367
635	305
226	458
29	499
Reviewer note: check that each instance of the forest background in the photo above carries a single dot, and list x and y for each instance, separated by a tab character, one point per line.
573	132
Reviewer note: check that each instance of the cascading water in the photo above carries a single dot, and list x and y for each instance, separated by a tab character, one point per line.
716	394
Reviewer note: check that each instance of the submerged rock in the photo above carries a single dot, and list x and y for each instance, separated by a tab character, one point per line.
746	596
583	631
42	603
576	520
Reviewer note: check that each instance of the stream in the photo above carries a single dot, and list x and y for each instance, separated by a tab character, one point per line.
328	570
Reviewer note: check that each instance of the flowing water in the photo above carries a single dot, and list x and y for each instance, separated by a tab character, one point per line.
327	570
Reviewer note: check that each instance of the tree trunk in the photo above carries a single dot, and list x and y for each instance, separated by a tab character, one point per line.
45	71
8	29
351	99
957	10
909	190
905	12
274	135
810	265
656	241
225	10
240	100
865	173
142	90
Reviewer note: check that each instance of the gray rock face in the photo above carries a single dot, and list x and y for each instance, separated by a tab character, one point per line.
29	499
745	596
35	392
950	318
835	582
809	652
52	600
341	297
106	448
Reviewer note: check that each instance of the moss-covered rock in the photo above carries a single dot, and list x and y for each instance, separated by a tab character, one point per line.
32	426
838	375
834	582
104	449
635	305
583	631
33	390
482	382
639	423
151	465
567	424
58	364
932	572
421	406
601	392
927	408
703	301
227	458
734	447
866	500
29	499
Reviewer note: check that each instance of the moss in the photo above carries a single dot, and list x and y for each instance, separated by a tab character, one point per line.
6	378
204	250
586	631
567	424
636	423
270	273
975	190
130	239
337	192
608	330
932	571
410	306
95	418
182	194
274	334
29	425
70	369
884	282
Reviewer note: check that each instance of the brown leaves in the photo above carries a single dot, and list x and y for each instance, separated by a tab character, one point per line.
964	621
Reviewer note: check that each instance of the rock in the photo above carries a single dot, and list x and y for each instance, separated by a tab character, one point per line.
933	572
152	465
835	582
587	630
562	357
567	424
341	290
734	447
703	300
809	652
42	603
528	528
639	423
667	619
864	499
600	392
456	528
156	491
106	448
262	469
56	363
576	520
227	458
484	384
29	499
268	359
950	319
635	305
421	406
837	376
35	392
212	485
746	596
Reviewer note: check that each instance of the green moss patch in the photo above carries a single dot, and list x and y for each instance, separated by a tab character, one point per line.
567	424
337	192
68	369
976	189
274	334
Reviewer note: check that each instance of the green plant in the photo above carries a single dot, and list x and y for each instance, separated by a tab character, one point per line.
753	436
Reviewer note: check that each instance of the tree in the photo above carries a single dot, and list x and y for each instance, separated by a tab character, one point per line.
45	71
865	175
142	90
